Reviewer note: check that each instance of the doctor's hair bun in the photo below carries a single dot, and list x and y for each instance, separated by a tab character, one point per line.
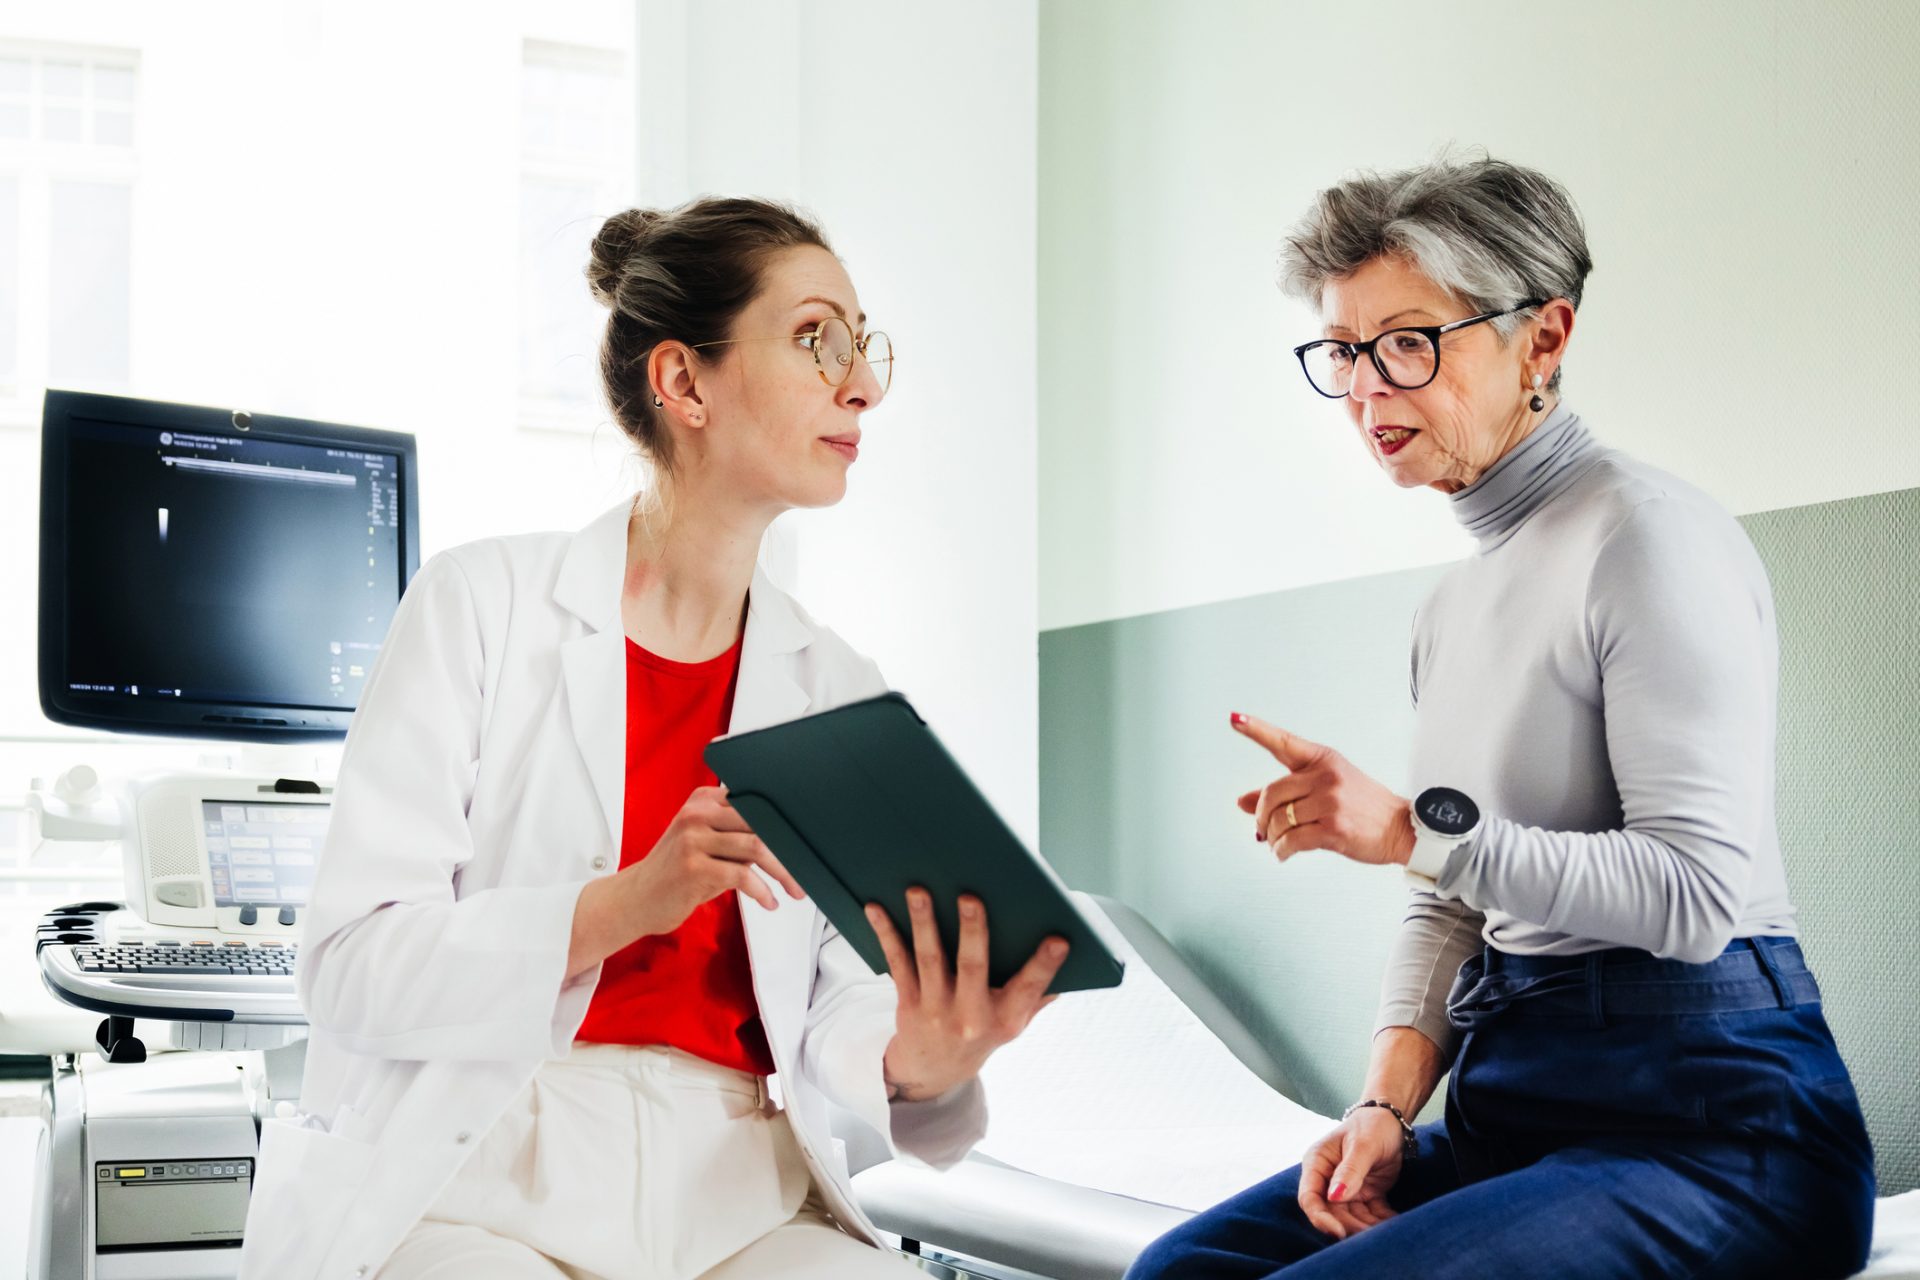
619	236
679	275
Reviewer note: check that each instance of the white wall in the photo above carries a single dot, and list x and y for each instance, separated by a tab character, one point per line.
1747	175
909	131
325	226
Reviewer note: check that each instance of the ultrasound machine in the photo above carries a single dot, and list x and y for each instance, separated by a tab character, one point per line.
203	573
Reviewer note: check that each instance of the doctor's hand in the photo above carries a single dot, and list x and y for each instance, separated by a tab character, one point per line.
708	850
949	1023
1345	1177
1324	802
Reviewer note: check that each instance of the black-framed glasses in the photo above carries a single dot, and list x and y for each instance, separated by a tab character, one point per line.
1408	358
834	345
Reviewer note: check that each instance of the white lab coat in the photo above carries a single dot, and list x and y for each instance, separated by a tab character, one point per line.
480	789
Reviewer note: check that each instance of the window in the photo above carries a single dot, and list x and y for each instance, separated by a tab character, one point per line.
67	169
576	169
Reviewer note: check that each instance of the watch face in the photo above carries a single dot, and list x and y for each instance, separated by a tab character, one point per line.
1446	811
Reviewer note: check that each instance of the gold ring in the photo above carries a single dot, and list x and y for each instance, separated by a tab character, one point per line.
1292	821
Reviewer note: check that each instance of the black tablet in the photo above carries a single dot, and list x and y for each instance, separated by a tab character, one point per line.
862	803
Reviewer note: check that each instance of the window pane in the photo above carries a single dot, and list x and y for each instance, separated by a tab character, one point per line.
13	121
9	277
571	113
61	124
89	284
62	80
16	75
113	128
113	84
560	321
540	129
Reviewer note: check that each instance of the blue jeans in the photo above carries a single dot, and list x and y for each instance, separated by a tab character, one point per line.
1608	1115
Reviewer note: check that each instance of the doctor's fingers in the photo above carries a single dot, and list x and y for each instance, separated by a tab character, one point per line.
740	876
709	806
906	980
1026	990
749	848
929	953
970	965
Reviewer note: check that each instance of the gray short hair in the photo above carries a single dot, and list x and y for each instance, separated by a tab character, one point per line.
1492	234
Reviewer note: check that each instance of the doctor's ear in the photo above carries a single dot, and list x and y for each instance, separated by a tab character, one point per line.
670	372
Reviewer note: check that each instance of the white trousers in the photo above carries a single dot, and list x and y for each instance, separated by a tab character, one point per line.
635	1163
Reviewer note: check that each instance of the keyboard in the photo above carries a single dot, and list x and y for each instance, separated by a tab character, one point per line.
102	957
268	960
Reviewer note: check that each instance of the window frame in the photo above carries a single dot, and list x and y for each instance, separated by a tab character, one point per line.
38	165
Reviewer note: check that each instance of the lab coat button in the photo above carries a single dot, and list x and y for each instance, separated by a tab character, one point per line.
464	1138
360	1270
600	863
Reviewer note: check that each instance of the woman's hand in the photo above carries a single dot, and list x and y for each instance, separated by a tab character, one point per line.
708	849
1323	802
1345	1177
950	1023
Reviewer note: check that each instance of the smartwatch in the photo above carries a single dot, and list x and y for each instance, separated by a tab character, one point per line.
1443	820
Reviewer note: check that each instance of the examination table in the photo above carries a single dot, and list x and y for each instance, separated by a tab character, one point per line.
1084	1165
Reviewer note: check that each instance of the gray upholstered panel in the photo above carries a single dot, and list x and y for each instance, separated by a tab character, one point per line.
1846	584
1138	771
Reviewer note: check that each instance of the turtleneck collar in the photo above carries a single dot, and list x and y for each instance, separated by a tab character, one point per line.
1525	479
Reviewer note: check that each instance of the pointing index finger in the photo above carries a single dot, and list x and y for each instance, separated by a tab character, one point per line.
1290	749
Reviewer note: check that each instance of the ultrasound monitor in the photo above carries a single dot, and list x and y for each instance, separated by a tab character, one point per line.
214	572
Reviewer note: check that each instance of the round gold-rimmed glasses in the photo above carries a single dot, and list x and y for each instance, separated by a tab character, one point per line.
834	345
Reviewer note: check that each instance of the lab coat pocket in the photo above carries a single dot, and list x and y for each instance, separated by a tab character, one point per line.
304	1180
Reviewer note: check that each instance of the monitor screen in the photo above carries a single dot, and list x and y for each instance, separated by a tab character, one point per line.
208	571
263	854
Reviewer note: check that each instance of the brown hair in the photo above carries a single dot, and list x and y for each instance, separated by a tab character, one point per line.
683	274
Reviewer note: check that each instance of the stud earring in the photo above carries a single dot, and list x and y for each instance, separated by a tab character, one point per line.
1536	404
657	402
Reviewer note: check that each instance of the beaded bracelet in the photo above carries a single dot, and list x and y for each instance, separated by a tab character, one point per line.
1407	1144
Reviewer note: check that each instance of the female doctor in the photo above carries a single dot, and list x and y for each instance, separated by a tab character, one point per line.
548	969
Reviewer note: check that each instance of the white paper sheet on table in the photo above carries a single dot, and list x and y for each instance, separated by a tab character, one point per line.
1127	1091
1896	1239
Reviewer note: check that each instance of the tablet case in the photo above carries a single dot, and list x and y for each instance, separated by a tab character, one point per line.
863	802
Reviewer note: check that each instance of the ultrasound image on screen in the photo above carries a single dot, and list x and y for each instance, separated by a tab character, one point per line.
225	569
263	854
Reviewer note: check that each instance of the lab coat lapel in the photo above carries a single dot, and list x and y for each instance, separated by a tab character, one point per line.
596	671
779	942
767	692
594	665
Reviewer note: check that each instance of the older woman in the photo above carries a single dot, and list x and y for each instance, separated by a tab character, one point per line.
1600	945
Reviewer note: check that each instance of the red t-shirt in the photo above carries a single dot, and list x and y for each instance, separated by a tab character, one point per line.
692	988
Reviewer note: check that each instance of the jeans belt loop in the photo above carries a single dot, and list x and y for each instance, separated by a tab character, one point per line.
1595	997
1781	989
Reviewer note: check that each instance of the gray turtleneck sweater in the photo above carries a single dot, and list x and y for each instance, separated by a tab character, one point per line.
1600	676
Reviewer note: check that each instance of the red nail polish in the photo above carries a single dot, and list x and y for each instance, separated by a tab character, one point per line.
1339	1189
1257	836
1238	719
